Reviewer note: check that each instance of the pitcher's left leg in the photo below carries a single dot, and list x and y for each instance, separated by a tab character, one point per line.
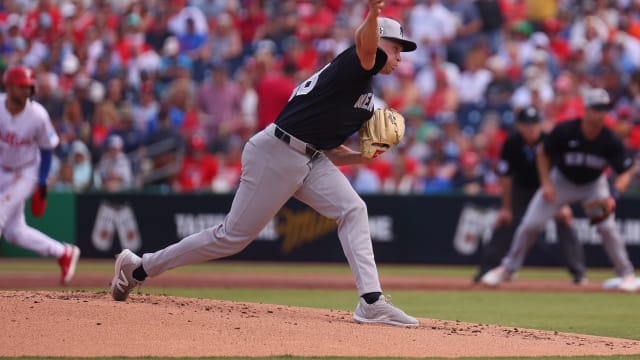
329	192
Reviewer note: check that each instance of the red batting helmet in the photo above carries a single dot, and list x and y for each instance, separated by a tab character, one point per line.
19	75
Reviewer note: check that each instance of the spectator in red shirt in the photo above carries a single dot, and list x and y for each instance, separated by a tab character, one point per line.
230	167
627	127
198	169
557	42
303	55
251	23
567	102
132	44
444	98
274	89
43	21
316	20
515	10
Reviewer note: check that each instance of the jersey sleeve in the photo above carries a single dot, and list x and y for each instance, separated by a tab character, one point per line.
551	142
349	63
381	59
46	136
620	159
504	168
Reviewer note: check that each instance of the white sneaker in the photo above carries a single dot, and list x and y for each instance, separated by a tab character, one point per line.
628	283
123	281
382	311
496	276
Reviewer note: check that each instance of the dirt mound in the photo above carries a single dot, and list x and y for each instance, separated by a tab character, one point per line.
39	323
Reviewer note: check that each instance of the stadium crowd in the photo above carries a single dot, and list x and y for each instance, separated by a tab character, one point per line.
162	94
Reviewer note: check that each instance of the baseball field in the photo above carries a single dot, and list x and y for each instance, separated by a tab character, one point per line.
239	310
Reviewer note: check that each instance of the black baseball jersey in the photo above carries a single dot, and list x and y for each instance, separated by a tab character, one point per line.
333	103
581	160
518	160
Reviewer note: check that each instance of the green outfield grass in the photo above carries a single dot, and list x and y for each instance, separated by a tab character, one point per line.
239	267
603	314
635	357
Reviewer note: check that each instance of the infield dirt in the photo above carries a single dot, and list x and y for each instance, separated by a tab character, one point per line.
87	324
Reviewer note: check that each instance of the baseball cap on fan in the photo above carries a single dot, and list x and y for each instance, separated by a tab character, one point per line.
597	99
528	115
391	29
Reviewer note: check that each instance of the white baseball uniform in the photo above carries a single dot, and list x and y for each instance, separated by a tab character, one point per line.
21	138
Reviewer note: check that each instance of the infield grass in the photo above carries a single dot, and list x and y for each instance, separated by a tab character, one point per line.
615	357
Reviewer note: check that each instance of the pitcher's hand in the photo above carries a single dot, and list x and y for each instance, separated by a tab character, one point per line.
375	7
549	193
505	217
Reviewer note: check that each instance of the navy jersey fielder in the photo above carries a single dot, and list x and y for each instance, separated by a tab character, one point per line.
571	165
519	179
27	139
297	157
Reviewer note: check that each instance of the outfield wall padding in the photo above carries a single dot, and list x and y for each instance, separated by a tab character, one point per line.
443	229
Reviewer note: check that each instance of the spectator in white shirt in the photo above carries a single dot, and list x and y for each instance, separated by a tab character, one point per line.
432	25
114	169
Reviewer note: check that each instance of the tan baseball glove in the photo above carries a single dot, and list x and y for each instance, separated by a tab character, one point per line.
599	209
383	130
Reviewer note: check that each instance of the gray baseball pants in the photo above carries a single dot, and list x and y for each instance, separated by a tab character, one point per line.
540	211
273	172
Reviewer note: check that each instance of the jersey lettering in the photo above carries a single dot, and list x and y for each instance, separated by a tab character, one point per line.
584	159
365	101
306	86
11	138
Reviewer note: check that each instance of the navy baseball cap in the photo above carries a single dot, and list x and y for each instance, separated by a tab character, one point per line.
597	99
528	115
391	29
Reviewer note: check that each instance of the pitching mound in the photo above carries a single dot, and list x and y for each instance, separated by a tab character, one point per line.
91	324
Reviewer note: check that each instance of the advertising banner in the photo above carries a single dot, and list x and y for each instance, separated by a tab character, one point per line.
443	229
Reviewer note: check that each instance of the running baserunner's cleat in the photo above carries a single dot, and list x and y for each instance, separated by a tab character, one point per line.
68	262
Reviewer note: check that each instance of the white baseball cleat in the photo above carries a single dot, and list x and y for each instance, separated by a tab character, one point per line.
382	311
496	276
123	281
628	283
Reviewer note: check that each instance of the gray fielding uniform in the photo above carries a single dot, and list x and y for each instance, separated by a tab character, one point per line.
577	175
285	160
518	161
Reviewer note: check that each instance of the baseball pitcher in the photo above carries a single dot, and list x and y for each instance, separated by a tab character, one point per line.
297	157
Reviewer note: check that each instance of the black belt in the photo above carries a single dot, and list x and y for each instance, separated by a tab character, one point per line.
308	149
